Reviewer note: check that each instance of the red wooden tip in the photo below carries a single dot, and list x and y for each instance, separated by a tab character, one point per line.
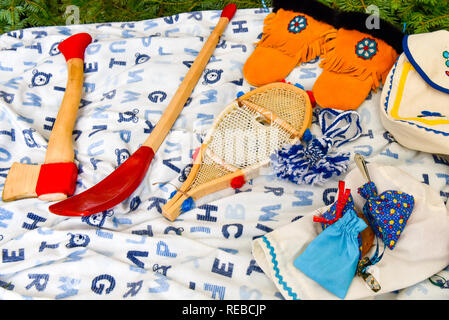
74	46
312	98
195	154
238	182
229	11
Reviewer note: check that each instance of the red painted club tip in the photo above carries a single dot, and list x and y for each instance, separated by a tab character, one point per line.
229	11
74	46
109	192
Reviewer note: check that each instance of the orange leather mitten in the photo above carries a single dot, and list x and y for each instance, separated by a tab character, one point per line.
294	32
359	61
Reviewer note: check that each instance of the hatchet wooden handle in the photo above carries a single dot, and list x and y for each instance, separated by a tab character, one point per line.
60	144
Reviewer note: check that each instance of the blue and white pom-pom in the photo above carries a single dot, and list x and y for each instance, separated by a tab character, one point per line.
317	160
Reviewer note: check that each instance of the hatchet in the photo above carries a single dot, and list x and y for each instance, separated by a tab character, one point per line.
55	179
122	182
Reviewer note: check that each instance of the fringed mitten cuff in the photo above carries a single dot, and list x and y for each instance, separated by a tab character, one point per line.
359	61
295	32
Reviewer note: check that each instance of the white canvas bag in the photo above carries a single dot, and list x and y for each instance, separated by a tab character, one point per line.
414	104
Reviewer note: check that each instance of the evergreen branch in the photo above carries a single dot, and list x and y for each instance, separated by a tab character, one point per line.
438	18
419	15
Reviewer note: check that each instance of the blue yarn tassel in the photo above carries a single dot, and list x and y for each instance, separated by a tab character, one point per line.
317	162
310	165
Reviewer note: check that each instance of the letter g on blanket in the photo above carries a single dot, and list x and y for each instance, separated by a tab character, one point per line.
422	250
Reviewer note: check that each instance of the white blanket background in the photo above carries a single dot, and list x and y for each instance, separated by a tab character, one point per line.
131	251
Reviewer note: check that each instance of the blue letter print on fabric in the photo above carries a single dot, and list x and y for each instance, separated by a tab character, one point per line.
98	287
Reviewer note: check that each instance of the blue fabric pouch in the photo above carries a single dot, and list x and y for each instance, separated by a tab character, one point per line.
331	258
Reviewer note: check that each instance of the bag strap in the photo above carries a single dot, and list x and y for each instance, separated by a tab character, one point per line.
343	196
365	263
